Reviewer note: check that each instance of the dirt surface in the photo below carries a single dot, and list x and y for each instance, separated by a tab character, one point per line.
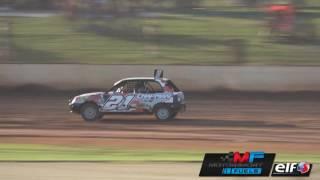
282	123
114	171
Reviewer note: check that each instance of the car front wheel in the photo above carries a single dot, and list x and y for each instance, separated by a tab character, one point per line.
163	113
90	112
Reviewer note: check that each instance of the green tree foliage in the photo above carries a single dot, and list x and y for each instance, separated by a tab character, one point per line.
31	4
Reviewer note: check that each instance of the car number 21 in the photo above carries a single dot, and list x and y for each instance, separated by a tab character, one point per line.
118	102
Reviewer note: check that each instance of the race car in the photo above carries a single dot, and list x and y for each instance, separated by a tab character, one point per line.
139	95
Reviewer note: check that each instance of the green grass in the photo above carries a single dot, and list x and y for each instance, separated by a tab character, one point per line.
196	37
31	152
34	152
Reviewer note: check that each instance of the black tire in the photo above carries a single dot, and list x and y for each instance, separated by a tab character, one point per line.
163	113
90	112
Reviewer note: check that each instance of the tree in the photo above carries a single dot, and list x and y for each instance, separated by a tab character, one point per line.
33	4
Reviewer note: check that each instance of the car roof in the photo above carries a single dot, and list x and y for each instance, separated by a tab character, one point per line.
140	78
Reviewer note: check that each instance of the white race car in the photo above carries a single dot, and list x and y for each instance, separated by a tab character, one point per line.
138	95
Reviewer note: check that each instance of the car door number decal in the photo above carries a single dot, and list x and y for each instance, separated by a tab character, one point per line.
118	102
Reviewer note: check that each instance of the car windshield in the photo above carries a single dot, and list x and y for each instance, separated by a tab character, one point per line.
116	86
137	86
125	87
149	86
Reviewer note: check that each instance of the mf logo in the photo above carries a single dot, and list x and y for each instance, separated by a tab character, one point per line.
247	157
251	163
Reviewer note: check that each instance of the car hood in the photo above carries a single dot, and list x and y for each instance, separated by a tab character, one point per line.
91	94
96	97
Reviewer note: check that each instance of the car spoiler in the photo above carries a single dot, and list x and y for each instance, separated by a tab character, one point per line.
158	73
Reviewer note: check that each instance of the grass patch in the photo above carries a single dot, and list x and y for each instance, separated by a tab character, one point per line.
198	37
34	152
30	152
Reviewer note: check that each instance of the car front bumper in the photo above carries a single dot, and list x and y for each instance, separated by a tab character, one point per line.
75	108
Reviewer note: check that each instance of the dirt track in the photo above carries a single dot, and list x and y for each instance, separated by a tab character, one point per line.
240	122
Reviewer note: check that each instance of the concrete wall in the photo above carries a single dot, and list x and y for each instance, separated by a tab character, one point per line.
191	78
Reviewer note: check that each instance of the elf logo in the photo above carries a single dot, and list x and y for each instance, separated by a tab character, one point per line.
292	169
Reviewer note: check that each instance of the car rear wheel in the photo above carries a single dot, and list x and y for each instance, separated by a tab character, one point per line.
163	113
90	112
